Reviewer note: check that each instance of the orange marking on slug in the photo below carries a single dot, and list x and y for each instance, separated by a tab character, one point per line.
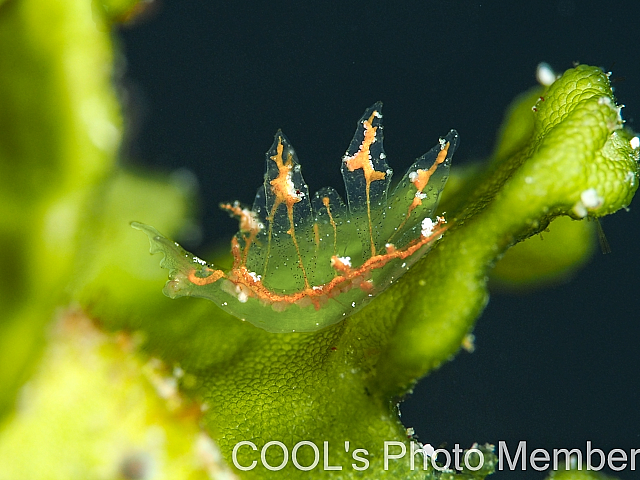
214	277
249	223
362	159
348	279
421	180
247	219
285	192
423	176
325	202
282	186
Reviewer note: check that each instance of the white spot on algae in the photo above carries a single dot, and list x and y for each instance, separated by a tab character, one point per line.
468	342
630	177
591	199
545	74
579	210
635	143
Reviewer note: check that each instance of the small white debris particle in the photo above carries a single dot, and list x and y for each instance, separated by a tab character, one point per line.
604	100
383	155
591	199
255	276
427	227
421	195
428	450
442	142
345	260
630	177
353	304
241	295
635	143
199	260
468	342
580	210
545	74
377	114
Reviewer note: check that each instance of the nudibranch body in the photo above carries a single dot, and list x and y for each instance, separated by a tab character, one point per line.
301	263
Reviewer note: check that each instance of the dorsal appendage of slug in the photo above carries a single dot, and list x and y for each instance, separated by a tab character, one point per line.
302	262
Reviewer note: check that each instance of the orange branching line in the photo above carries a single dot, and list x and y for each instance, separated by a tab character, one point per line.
325	202
420	179
214	277
362	159
249	223
347	279
248	284
286	193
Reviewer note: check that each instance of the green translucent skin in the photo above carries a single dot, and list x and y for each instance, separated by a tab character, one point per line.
336	385
284	252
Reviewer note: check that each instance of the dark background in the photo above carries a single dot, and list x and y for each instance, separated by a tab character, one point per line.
210	82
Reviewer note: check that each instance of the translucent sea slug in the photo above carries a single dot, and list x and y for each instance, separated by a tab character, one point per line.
301	263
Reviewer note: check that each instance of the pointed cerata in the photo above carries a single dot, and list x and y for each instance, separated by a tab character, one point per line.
302	262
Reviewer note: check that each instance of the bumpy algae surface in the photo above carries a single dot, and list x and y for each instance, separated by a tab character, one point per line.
568	156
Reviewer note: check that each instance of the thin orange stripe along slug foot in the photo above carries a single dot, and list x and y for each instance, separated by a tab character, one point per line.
301	263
